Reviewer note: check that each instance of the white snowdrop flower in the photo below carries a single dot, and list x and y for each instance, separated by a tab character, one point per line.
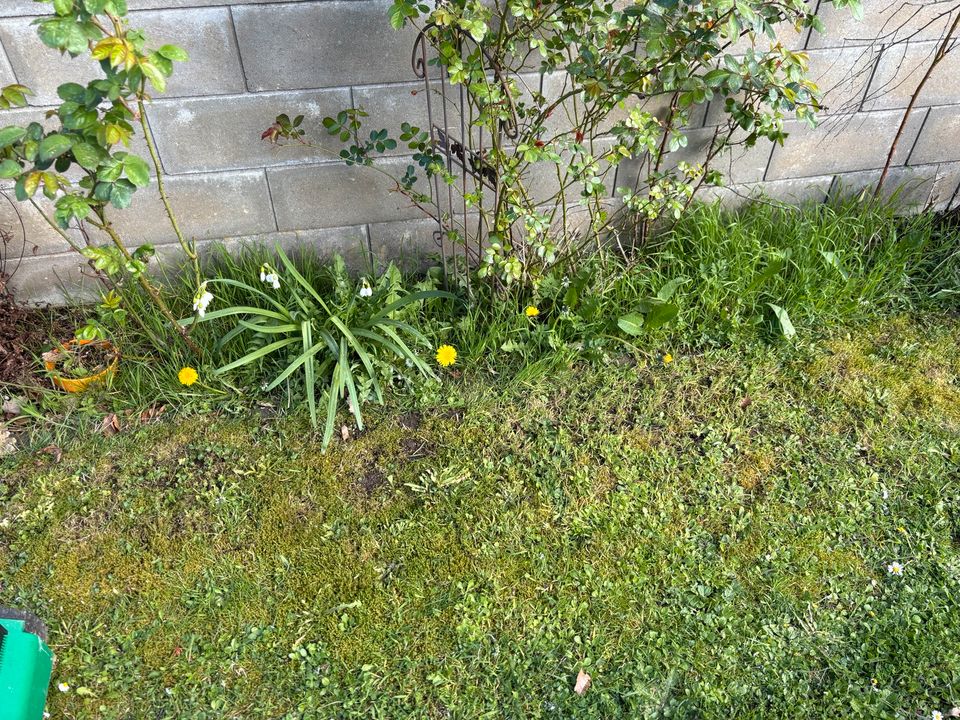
269	276
366	291
895	568
202	300
63	687
201	304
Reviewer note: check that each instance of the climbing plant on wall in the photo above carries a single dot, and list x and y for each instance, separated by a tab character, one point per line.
561	94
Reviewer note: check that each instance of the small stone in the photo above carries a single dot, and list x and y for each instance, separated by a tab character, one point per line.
8	443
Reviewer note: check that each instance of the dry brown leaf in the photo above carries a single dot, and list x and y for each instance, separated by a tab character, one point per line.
152	413
583	683
53	451
344	432
746	402
110	425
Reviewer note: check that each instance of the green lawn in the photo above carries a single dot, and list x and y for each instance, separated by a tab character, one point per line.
707	539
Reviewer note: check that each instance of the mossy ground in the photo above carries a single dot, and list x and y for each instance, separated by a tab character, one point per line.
707	538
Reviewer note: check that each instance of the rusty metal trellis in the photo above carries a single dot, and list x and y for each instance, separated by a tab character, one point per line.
465	146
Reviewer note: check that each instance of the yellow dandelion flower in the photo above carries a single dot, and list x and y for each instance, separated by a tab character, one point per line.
532	311
667	359
446	355
187	376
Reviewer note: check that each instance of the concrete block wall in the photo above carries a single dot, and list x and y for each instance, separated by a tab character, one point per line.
251	59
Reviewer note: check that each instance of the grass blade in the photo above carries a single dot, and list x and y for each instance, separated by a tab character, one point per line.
308	370
236	310
407	299
255	355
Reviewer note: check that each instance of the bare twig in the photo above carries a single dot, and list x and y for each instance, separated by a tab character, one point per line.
942	51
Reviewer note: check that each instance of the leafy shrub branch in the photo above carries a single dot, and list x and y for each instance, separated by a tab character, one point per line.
92	131
564	93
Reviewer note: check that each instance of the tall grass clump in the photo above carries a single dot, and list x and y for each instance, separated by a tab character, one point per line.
755	274
825	264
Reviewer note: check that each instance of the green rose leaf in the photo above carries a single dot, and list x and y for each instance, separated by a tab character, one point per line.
136	170
103	191
69	207
53	146
15	95
111	169
122	194
87	156
9	169
11	134
173	52
64	33
153	74
73	92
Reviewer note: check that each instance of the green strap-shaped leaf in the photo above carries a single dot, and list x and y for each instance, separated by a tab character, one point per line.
268	329
301	280
255	355
306	332
405	327
413	357
334	391
236	310
256	291
361	353
406	300
303	357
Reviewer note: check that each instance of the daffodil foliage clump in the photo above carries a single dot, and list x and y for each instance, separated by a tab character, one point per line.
347	344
